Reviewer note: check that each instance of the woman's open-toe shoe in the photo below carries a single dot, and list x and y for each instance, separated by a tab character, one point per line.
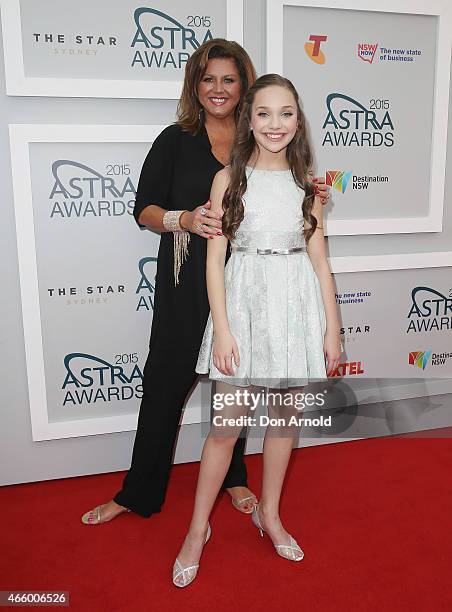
94	517
241	504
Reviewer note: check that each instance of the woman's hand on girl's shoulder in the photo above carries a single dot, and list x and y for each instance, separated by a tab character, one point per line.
321	188
224	350
202	221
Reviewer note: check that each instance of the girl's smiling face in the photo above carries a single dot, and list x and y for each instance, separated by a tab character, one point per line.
274	118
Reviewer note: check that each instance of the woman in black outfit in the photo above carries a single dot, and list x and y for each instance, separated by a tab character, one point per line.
176	176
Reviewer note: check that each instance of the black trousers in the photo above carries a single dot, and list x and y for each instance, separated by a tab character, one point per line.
167	379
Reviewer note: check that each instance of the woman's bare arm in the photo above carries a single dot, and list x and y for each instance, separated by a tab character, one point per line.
152	217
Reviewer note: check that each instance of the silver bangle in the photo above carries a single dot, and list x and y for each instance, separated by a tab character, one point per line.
171	220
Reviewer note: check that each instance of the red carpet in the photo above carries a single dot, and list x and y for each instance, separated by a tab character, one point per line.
373	517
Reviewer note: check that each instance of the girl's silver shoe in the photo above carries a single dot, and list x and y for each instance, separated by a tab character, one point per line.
188	573
290	551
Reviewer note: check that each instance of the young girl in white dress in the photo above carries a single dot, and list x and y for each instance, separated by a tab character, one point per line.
273	321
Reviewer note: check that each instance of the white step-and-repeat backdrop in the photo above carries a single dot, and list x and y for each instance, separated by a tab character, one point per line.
374	82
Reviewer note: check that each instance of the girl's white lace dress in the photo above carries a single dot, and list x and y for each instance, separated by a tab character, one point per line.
273	300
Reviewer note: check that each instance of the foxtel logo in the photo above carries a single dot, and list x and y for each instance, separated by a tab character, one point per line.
351	368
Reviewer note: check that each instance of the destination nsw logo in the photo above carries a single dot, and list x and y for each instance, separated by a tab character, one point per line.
420	359
338	179
349	123
80	191
161	41
90	379
430	310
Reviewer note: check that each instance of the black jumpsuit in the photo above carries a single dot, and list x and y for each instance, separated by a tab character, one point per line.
177	174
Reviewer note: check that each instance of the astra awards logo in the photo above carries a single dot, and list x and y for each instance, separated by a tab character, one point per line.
348	123
349	368
90	379
366	51
313	49
338	179
161	41
352	297
430	310
146	289
79	191
420	359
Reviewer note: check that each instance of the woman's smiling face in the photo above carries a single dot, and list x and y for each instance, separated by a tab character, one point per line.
219	88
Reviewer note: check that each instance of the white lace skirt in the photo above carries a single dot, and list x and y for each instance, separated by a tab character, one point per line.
277	317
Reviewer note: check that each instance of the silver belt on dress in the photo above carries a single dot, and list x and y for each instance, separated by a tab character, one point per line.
268	251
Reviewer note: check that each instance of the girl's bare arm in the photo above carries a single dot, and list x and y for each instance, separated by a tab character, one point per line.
216	256
317	255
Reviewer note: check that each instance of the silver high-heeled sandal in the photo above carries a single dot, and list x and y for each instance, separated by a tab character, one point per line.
94	517
290	551
242	502
188	573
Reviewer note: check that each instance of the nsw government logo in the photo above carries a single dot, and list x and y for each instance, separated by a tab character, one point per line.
353	297
313	50
430	310
162	42
348	123
366	51
90	379
79	191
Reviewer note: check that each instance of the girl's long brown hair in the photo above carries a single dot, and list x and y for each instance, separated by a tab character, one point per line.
189	109
299	157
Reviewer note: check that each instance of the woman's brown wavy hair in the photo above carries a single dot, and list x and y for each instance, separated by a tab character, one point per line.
299	156
189	109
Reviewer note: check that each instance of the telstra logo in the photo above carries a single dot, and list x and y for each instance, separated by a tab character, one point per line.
313	50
